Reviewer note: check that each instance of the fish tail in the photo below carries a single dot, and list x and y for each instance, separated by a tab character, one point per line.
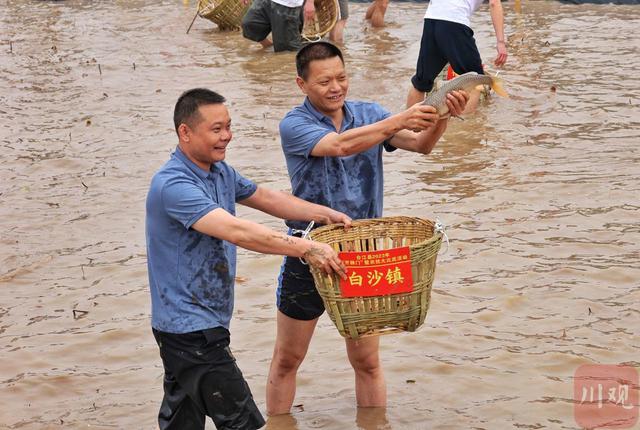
496	85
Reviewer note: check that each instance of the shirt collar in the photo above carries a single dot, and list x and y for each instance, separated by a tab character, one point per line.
201	173
347	121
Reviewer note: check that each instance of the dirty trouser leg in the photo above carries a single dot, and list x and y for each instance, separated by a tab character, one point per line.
203	379
286	26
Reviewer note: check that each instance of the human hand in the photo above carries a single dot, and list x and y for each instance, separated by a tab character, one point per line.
457	102
418	117
502	54
336	217
323	257
309	10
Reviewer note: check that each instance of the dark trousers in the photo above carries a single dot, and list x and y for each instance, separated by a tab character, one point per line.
445	42
284	23
201	379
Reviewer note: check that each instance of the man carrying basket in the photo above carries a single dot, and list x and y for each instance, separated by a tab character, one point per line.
333	149
192	233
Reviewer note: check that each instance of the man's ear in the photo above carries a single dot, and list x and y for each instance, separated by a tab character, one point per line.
301	84
184	132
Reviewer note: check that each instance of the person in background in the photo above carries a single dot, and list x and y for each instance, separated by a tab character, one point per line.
333	148
282	18
191	235
447	37
376	12
336	35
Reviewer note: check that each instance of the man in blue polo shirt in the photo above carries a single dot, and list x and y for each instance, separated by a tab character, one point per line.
333	150
192	233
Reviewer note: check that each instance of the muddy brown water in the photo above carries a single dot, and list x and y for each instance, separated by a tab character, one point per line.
540	194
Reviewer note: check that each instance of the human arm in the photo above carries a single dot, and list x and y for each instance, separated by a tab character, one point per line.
497	17
424	141
253	236
309	10
360	139
286	206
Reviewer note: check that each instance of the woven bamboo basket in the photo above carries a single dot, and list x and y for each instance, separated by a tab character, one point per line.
326	17
357	317
227	14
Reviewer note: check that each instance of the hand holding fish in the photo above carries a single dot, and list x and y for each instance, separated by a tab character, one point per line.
456	102
418	117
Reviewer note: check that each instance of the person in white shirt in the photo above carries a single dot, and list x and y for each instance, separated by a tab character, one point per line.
282	18
447	37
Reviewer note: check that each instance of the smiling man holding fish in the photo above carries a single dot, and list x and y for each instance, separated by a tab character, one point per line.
333	149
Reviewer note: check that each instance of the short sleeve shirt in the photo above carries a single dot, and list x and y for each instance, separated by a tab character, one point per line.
289	3
459	11
191	275
352	184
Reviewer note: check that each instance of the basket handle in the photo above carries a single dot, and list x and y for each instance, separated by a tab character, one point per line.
305	235
318	38
194	18
439	227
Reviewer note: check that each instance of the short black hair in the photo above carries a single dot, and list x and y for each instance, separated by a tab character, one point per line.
315	51
186	110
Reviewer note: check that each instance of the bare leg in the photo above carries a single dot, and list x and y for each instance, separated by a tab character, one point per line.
336	34
474	101
414	96
266	42
292	342
370	10
371	390
279	422
377	17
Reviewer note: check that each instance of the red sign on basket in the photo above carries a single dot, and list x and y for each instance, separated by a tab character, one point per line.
377	273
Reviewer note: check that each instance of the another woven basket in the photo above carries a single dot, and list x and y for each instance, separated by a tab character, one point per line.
371	316
227	14
327	12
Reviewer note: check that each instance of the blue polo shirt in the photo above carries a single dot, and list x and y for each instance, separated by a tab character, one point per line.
352	184
191	275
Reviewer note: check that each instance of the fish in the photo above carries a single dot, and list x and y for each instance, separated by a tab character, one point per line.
466	82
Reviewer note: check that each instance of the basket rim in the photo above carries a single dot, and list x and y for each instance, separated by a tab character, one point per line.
437	235
321	32
224	13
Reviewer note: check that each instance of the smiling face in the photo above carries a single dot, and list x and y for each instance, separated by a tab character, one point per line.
326	85
205	140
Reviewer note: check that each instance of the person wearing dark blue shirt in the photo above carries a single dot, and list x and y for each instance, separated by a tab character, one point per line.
191	234
333	149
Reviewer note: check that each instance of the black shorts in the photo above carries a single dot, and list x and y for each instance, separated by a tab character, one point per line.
297	294
445	42
201	379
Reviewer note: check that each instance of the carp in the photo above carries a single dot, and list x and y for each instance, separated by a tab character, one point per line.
466	82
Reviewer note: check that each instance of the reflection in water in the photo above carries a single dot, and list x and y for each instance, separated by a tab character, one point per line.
282	422
372	419
365	419
539	193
